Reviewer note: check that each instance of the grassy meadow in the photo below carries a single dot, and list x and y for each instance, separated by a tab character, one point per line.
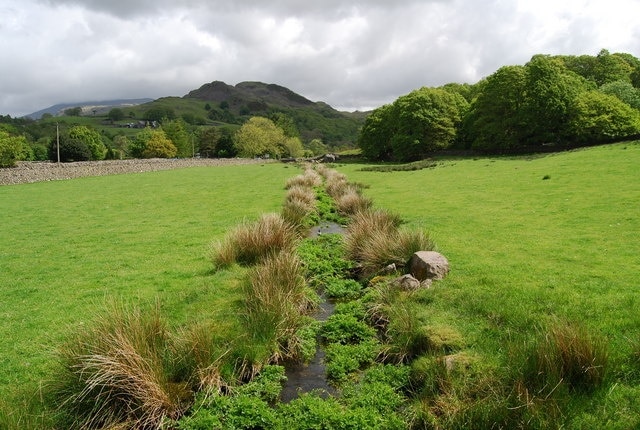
69	247
530	240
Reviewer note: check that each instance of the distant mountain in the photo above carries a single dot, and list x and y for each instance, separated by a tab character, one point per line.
88	108
318	120
256	94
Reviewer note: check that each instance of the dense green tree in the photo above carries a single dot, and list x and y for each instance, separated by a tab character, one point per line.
12	149
597	117
159	146
226	147
414	126
75	111
624	91
292	147
176	131
550	89
317	147
376	133
150	143
427	120
159	114
286	123
91	138
259	136
208	139
70	149
115	114
494	120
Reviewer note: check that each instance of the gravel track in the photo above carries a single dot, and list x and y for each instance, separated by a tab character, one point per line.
27	172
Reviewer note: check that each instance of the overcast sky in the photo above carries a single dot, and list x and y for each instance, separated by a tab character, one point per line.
356	54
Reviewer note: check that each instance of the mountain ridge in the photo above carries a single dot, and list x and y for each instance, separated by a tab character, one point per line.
87	106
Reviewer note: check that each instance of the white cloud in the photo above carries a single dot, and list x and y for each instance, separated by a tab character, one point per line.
351	54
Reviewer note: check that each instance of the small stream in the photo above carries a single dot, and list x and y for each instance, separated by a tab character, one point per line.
306	377
312	376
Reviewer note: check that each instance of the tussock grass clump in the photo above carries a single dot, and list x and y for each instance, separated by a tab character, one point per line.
118	373
310	178
277	301
300	203
374	239
251	242
203	353
565	354
352	201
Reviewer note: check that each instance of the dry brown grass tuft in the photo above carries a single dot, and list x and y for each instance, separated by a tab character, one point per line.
276	301
251	242
310	178
352	201
118	373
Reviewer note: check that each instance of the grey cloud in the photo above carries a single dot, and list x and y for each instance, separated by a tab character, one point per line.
357	53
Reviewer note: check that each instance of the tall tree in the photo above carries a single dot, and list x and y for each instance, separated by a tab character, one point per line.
176	131
494	120
550	89
91	138
597	117
259	136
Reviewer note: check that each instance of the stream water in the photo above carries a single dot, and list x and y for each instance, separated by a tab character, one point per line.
312	376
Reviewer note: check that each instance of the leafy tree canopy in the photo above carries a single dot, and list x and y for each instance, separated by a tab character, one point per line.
258	137
12	149
91	138
414	126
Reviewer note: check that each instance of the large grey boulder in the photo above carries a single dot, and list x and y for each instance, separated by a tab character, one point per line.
428	265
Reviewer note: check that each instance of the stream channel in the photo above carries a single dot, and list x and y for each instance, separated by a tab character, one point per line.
312	376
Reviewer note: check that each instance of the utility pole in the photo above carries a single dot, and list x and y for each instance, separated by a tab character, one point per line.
58	142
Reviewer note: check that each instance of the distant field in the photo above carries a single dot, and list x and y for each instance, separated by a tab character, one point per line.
68	246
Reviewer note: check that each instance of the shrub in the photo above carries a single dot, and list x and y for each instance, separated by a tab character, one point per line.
12	149
251	242
119	371
299	205
564	354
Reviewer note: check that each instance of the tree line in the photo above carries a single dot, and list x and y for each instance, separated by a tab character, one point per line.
551	101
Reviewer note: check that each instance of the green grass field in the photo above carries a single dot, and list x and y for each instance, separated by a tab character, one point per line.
528	239
531	239
70	246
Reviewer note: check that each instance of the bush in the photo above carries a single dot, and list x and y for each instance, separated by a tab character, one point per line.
351	202
70	150
12	149
251	242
